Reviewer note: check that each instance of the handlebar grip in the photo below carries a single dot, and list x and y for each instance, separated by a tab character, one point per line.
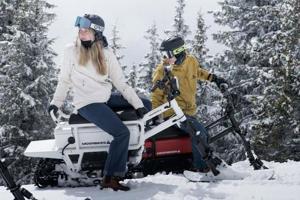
158	84
223	87
154	87
60	115
54	118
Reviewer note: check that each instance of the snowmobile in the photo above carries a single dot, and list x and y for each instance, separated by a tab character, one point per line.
77	154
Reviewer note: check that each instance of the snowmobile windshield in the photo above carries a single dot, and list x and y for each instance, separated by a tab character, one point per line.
83	22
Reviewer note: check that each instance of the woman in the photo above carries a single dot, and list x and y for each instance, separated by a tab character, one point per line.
91	68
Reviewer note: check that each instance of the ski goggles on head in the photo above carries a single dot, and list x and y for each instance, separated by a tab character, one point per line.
83	22
173	53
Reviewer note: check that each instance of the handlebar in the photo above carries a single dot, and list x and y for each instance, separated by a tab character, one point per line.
159	84
230	107
229	96
168	80
60	115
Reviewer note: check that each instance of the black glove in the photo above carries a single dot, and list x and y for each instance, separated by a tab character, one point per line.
218	80
54	108
141	112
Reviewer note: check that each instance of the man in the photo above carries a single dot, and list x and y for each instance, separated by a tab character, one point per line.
188	71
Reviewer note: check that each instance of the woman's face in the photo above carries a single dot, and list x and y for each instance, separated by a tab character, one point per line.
86	34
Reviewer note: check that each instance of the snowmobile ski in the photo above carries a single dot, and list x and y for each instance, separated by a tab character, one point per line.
226	173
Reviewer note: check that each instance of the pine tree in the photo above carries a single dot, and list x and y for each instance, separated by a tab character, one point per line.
179	27
279	114
7	18
115	45
257	44
151	60
6	35
207	96
199	49
133	77
29	79
234	64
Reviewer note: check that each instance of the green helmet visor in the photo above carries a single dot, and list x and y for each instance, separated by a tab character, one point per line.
178	50
171	54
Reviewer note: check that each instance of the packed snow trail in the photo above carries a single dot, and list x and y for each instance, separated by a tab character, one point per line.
285	186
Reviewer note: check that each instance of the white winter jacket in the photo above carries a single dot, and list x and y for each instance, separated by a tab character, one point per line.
88	85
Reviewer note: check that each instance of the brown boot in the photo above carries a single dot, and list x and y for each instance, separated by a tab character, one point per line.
113	183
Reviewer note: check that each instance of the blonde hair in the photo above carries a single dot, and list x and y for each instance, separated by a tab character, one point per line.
95	54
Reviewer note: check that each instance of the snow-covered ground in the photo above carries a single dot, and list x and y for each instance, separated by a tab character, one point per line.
284	186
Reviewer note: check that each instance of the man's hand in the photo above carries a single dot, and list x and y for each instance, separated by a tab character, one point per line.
218	80
141	112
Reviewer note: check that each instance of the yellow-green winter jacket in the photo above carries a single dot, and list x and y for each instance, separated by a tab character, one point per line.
188	73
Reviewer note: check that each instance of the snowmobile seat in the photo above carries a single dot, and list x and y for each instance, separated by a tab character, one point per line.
170	132
125	115
77	119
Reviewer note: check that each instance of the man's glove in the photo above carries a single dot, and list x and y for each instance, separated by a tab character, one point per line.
218	80
141	112
54	108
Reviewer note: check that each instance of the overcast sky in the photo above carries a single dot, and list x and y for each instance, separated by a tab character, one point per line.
132	18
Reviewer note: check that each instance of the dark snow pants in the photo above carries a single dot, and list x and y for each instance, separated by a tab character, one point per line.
202	133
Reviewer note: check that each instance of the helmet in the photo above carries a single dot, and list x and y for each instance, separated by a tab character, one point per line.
94	22
174	46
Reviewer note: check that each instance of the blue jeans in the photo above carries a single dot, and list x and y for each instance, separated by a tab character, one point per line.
106	119
102	115
198	161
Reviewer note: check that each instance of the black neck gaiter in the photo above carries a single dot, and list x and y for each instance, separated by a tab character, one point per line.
87	44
